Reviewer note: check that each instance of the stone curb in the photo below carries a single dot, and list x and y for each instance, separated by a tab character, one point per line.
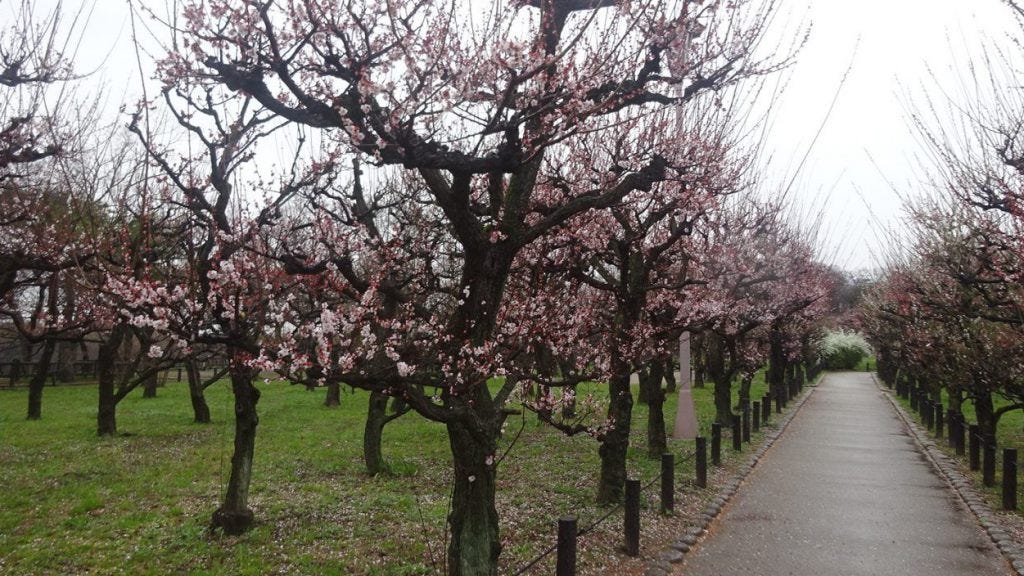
962	486
676	552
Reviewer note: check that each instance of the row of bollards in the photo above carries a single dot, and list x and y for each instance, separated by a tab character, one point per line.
966	440
753	416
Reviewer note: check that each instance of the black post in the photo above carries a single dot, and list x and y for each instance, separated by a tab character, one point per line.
179	373
668	467
913	399
631	523
756	413
1009	478
926	413
974	446
766	408
716	443
737	434
938	419
701	458
565	565
988	465
746	423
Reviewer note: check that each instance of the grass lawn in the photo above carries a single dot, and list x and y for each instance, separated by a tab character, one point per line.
139	503
1009	434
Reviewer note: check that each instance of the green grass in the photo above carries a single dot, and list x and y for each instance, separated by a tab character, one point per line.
139	503
1009	434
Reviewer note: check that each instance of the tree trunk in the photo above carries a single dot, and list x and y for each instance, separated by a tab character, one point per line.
776	364
985	412
697	359
196	393
670	374
721	376
615	444
474	546
376	417
38	381
644	387
744	399
657	444
333	398
149	385
234	516
106	374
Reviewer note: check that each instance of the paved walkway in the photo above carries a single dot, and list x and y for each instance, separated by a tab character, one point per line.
845	492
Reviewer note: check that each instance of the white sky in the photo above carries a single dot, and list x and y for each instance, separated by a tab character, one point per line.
865	157
866	149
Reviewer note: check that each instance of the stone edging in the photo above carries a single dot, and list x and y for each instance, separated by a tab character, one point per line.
962	486
676	552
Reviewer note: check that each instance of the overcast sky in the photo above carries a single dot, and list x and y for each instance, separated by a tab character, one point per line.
865	157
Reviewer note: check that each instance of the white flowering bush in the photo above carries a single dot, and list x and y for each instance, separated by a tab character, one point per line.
842	350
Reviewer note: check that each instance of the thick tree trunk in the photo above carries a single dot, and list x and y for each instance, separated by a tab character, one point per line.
657	443
474	546
38	381
234	516
615	444
333	398
197	394
376	417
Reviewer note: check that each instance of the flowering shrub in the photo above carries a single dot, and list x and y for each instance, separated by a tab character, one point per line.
842	350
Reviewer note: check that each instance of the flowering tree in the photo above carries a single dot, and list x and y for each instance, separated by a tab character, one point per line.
484	105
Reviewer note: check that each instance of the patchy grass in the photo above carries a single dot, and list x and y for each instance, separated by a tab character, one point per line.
139	503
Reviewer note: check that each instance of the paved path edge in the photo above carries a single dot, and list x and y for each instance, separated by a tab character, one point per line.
947	469
676	552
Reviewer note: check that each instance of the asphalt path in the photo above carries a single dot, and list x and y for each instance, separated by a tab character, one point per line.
845	492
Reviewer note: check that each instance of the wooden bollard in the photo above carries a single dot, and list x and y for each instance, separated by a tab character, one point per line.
766	408
668	488
938	420
988	465
926	413
746	424
737	434
631	522
913	399
716	443
565	564
974	446
701	461
755	425
1009	478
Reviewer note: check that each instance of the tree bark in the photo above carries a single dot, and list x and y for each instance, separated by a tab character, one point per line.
149	385
776	363
376	417
985	412
333	398
38	381
106	361
657	443
615	444
234	516
474	546
197	394
744	399
670	374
